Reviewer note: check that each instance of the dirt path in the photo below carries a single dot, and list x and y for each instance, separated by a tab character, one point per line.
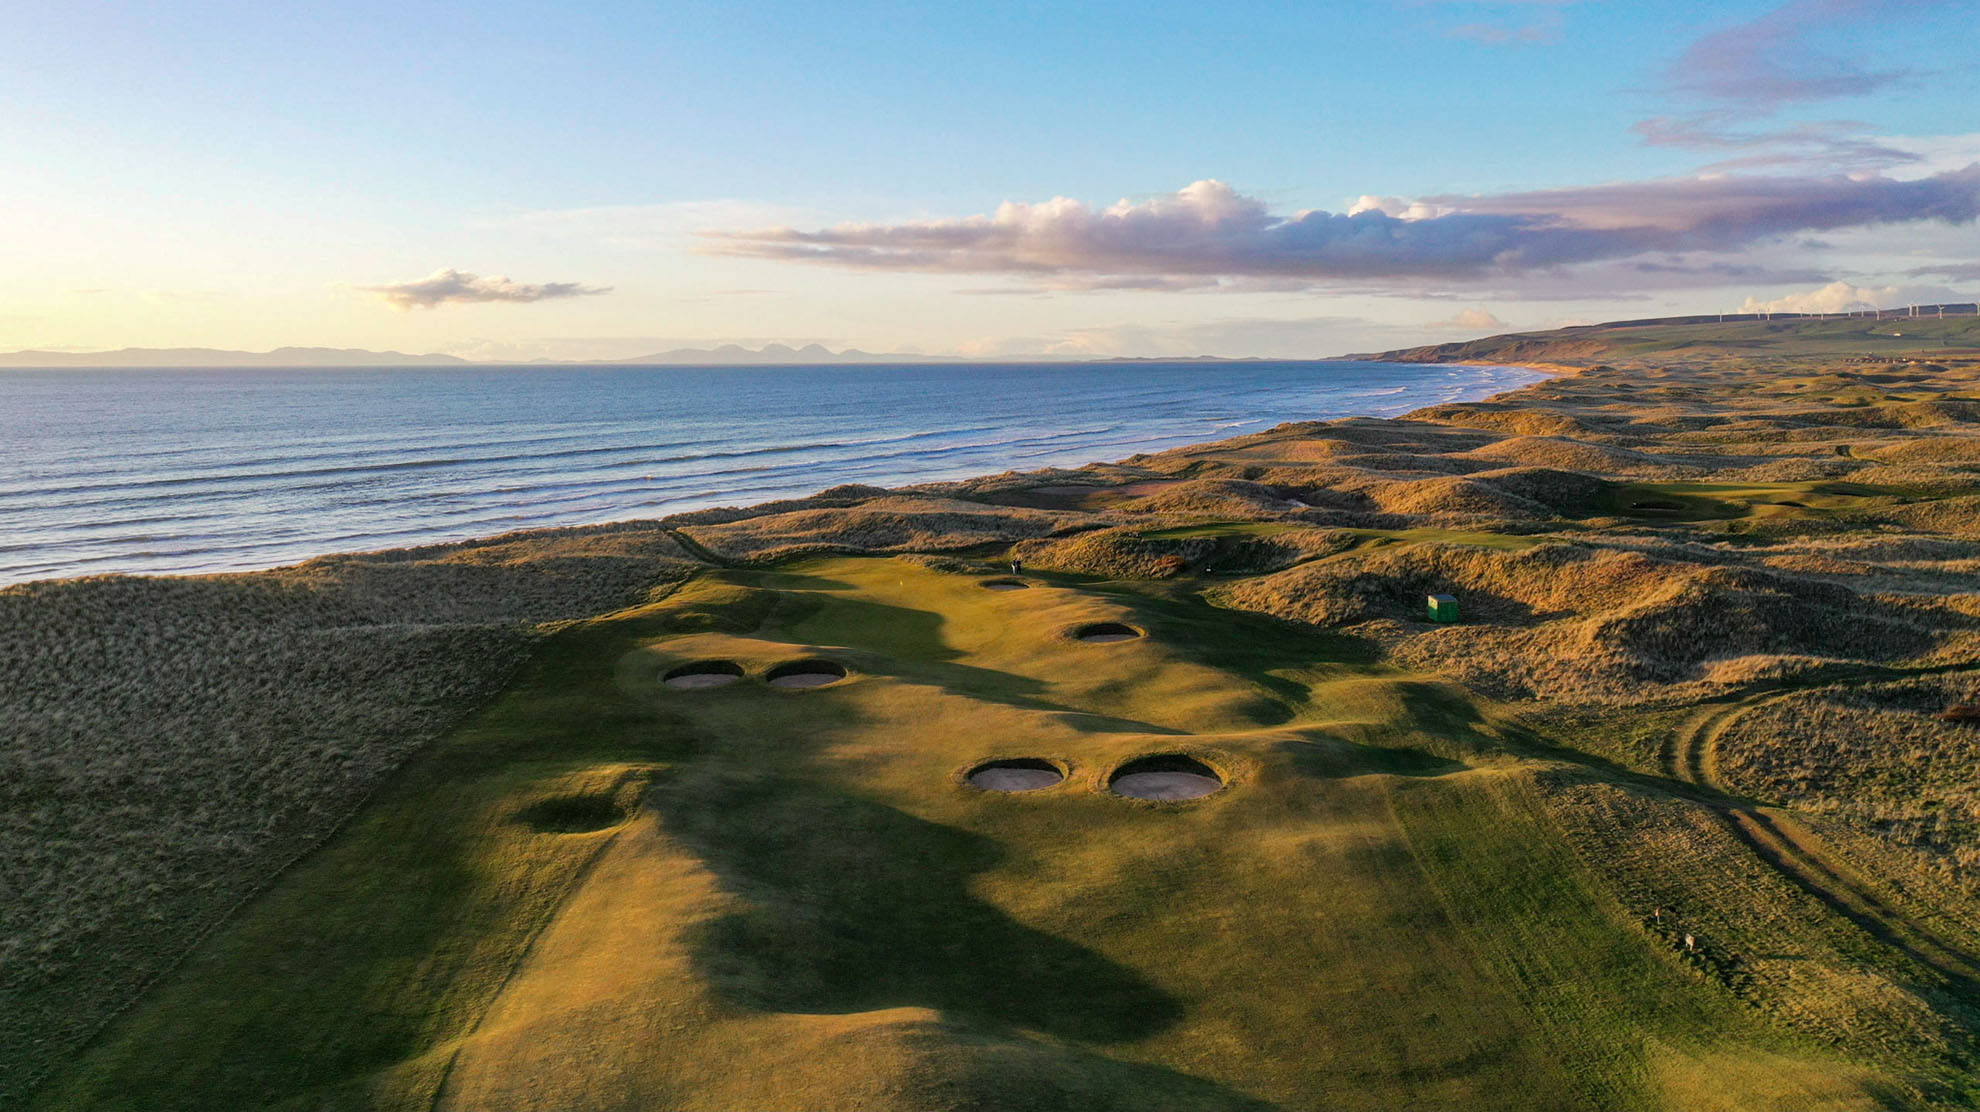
1788	847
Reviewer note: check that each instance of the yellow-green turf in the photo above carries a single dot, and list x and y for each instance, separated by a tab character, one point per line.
603	893
1705	501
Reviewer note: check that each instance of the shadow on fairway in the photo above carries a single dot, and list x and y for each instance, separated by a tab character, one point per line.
1333	758
856	906
907	644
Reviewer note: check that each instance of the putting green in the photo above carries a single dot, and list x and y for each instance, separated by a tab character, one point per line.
603	893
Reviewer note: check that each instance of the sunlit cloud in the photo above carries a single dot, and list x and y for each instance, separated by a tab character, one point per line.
1841	297
1208	233
1836	297
449	286
1475	319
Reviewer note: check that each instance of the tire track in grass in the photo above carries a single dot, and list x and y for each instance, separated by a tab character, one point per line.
1783	844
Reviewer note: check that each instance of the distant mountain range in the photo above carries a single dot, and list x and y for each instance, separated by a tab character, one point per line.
213	357
726	355
777	353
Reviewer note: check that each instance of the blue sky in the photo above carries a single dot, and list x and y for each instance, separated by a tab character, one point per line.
252	175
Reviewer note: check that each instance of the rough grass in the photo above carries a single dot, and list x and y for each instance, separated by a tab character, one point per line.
1879	758
168	745
1677	870
807	889
887	524
599	892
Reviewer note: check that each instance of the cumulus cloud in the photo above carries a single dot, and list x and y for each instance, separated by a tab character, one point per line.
1474	319
447	285
1836	297
1208	233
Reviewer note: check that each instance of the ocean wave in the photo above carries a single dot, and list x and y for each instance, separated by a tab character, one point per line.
157	479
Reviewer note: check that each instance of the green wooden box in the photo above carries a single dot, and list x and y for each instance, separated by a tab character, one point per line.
1443	608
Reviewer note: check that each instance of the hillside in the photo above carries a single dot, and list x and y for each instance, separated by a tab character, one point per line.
1816	338
1678	816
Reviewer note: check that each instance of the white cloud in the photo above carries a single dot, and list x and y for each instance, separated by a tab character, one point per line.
1836	297
1473	320
1402	208
1208	235
448	285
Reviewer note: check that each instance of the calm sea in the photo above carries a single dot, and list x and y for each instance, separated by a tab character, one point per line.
208	470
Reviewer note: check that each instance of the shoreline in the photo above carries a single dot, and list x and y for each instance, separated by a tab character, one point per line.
748	509
1551	370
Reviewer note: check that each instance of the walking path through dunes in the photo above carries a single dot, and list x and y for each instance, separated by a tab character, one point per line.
605	891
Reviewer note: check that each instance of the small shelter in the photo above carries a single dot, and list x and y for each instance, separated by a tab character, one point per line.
1443	608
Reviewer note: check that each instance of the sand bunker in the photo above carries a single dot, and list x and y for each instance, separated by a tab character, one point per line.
807	673
1020	774
1168	776
703	674
1104	633
1005	585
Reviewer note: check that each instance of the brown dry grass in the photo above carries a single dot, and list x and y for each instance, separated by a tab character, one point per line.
890	524
169	744
1880	758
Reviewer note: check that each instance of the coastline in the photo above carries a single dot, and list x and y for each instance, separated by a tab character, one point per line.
755	507
1551	370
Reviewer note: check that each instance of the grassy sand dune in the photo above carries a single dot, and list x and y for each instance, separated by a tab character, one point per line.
1714	607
